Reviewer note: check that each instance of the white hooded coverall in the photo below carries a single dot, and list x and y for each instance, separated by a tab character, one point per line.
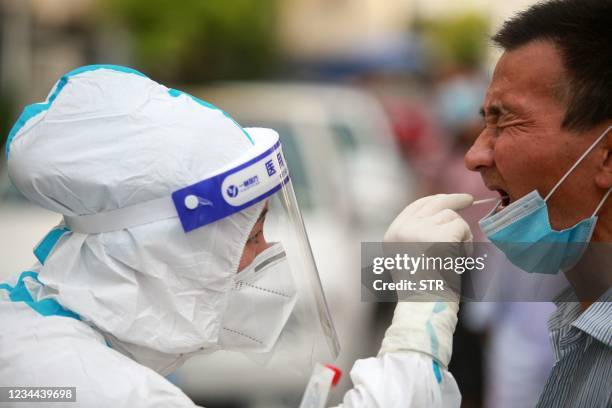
112	313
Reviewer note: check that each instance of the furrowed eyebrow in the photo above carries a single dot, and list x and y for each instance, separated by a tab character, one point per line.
493	110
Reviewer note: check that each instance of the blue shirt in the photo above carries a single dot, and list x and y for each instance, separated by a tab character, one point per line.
582	345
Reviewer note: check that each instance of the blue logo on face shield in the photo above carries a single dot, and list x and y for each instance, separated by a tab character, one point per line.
232	191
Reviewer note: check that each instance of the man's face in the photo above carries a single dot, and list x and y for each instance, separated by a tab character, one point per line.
523	147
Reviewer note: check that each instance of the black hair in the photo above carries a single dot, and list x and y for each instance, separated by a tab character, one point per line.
581	30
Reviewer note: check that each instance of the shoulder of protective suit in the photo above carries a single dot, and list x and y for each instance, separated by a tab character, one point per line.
62	351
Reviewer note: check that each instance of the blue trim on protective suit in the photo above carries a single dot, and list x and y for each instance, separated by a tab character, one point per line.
42	250
44	307
33	110
436	370
435	344
439	307
433	338
176	93
118	68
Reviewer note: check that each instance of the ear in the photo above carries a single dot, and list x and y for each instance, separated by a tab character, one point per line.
603	177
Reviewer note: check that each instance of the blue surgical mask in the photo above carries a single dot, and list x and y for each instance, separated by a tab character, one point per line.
523	231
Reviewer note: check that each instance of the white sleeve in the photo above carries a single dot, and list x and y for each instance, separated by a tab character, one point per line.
58	351
404	379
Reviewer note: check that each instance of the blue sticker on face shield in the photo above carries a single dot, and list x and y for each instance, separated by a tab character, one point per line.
231	191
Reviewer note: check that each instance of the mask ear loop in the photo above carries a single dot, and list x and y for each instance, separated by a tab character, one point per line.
580	159
601	203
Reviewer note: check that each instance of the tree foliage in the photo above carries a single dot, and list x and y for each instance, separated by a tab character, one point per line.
459	39
199	40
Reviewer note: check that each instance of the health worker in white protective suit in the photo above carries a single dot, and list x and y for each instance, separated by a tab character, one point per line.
162	253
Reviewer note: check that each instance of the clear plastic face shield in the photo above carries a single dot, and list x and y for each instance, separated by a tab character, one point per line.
275	311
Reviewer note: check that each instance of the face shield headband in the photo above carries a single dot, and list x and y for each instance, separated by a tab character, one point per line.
238	186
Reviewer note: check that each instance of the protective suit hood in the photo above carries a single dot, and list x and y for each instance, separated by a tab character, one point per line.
108	137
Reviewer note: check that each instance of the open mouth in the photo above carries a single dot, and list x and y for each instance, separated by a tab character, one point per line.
505	199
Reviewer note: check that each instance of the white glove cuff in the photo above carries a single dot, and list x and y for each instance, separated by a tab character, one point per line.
425	327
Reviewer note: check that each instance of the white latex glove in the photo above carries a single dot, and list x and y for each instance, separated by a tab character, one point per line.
432	219
427	327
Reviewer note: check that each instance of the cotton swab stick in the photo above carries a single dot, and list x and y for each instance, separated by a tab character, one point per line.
487	200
